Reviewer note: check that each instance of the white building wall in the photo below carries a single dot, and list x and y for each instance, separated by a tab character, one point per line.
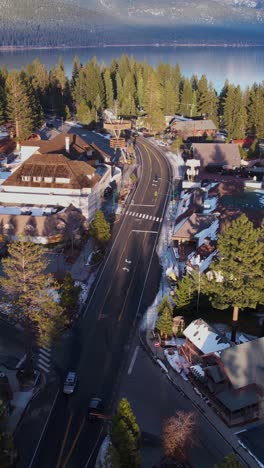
87	200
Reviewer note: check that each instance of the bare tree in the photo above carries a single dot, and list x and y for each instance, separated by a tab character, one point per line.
178	435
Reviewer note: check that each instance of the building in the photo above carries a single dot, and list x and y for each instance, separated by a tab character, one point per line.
217	154
41	225
193	128
58	173
233	379
202	339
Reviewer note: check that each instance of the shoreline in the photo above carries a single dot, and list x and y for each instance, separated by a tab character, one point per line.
157	45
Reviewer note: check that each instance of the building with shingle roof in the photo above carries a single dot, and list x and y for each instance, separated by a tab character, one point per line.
217	154
193	128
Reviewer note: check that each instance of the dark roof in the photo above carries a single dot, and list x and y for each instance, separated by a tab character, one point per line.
57	145
215	373
244	363
80	173
236	400
192	126
195	223
217	154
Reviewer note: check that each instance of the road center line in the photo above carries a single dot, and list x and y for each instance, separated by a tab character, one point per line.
64	440
44	428
133	361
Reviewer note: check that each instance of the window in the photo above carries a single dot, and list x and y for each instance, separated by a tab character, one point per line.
37	179
26	178
48	180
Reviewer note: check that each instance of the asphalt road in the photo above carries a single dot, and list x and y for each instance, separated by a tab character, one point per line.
99	346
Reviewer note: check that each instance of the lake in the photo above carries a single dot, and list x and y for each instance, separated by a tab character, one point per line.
240	65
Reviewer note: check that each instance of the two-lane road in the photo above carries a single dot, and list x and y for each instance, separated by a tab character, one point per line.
127	282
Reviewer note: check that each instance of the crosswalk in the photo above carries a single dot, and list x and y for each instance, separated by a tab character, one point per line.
44	359
144	216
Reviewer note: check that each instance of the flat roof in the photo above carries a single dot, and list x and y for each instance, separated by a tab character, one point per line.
25	210
253	440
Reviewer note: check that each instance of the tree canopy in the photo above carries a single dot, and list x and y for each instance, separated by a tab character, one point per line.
236	276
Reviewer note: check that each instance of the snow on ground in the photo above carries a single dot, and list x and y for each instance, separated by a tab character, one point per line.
177	362
85	287
101	461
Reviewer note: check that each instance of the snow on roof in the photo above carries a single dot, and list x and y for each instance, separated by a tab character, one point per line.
206	338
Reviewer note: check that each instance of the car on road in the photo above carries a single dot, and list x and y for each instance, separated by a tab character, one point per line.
95	405
70	383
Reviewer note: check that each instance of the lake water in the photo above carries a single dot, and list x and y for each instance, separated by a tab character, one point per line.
240	65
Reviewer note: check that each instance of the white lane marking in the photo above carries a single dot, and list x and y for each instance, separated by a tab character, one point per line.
152	206
150	218
140	215
44	428
21	361
133	360
157	219
147	216
161	219
43	363
144	216
94	447
150	232
137	214
45	369
43	358
130	213
43	351
133	214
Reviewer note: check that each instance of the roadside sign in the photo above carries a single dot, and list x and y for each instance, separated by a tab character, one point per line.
156	344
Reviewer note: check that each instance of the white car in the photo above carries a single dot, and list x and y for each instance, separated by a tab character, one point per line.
70	383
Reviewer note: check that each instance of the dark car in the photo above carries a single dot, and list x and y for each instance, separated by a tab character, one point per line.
108	192
49	125
95	405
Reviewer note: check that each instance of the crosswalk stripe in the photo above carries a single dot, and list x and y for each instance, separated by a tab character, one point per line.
140	215
44	361
147	216
43	351
130	213
133	213
161	219
157	219
150	218
44	368
144	216
137	214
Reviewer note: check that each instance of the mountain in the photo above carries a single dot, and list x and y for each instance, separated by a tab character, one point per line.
97	22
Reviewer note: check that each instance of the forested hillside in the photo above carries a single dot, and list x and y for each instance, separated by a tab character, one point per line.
97	22
132	89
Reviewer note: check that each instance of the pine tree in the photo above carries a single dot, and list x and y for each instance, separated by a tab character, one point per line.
236	277
7	449
234	112
230	461
168	98
164	322
31	292
109	92
100	228
69	296
185	295
176	80
18	106
83	113
67	113
186	98
2	105
256	111
76	66
125	436
164	304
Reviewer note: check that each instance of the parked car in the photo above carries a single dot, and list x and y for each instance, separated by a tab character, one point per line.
70	383
95	405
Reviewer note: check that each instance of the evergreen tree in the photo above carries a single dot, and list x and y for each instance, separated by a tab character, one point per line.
19	106
100	228
230	461
67	114
164	304
32	293
76	66
140	90
83	113
176	81
2	105
256	111
236	277
125	436
186	98
109	92
234	113
168	98
185	295
36	109
69	296
164	322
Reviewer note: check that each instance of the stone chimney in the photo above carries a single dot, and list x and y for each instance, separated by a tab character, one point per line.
67	144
